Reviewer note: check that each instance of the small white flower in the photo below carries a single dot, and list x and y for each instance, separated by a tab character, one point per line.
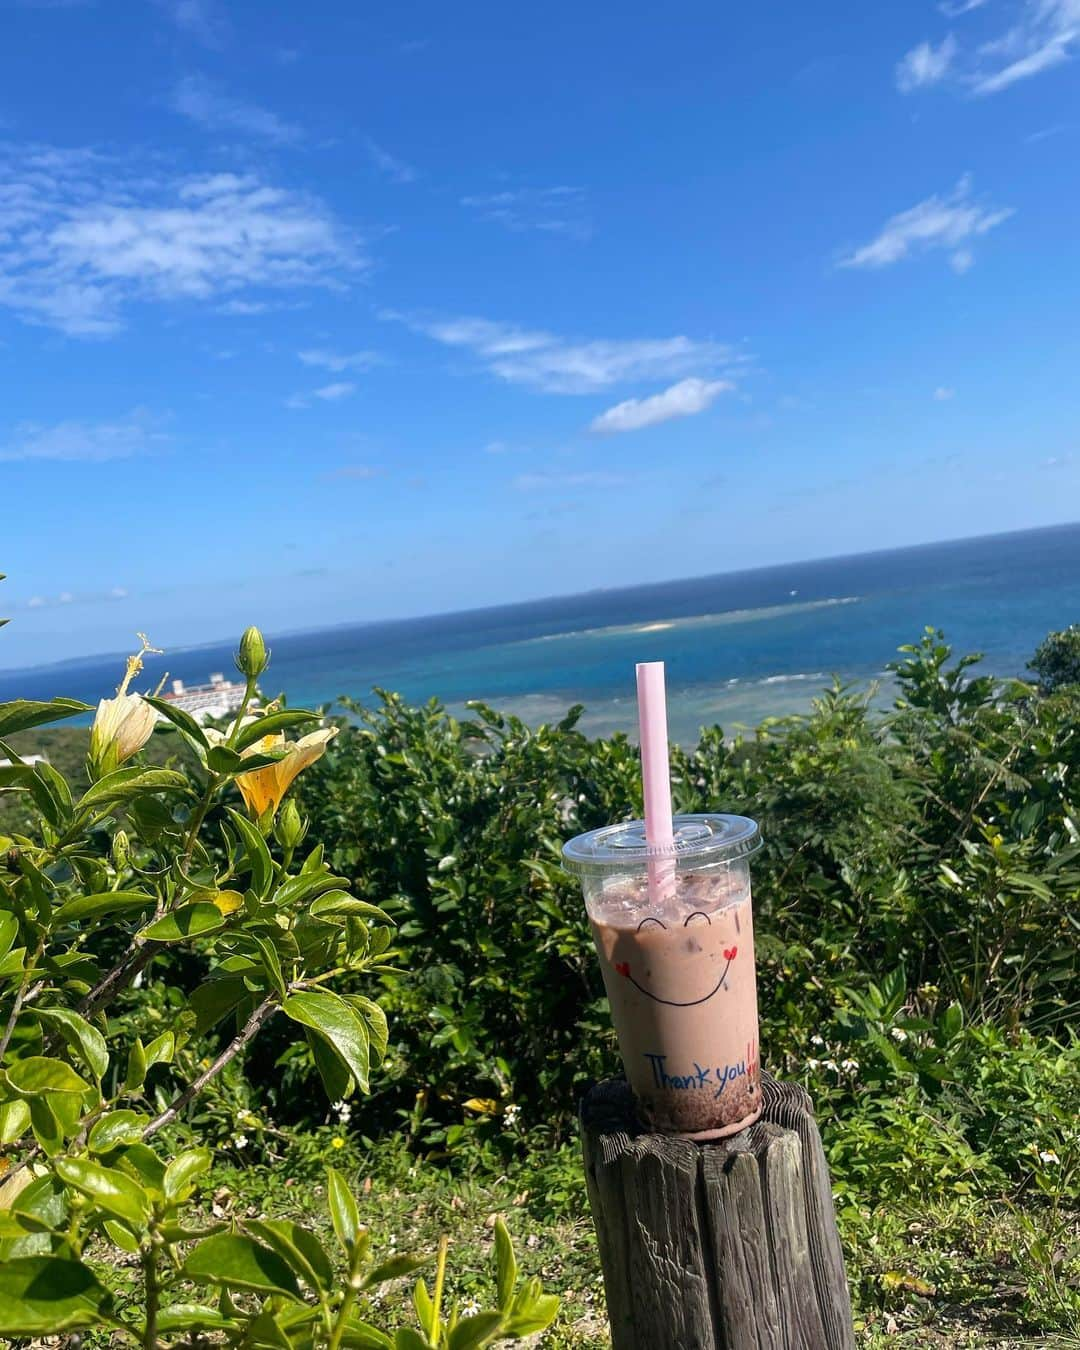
817	1040
830	1064
898	1033
239	1141
813	1063
470	1308
511	1114
1047	1155
849	1065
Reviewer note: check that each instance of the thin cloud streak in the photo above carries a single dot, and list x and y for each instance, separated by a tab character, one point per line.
936	223
559	365
205	103
684	399
555	210
389	165
338	361
925	65
75	441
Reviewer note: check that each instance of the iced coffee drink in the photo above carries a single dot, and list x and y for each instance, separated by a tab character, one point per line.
679	973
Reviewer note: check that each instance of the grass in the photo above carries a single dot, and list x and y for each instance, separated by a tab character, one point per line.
946	1275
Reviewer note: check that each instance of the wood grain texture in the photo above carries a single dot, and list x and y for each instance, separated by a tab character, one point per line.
729	1245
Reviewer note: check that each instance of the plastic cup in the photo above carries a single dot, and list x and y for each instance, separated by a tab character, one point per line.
679	973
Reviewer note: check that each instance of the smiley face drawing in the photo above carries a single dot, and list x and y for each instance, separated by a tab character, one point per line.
654	949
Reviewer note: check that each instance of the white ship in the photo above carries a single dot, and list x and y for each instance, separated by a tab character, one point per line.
216	699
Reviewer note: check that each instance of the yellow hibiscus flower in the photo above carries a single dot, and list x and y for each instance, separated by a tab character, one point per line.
262	789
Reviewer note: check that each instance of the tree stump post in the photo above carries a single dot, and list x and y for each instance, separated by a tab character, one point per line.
730	1245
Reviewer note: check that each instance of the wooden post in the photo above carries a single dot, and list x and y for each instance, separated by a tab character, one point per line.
729	1245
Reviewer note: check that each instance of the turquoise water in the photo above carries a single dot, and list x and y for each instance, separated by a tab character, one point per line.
738	646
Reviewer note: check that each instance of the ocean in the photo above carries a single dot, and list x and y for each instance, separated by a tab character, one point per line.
739	646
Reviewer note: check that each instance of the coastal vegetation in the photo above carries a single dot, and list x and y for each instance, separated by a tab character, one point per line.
385	904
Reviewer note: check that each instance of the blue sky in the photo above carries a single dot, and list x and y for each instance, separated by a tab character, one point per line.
316	314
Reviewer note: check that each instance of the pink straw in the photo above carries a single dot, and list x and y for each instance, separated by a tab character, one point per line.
656	777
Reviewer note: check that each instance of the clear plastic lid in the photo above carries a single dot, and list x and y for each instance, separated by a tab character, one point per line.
700	841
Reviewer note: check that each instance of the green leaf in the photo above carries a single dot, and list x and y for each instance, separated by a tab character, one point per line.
214	1000
272	964
46	1125
341	902
85	1039
45	1203
180	719
238	1262
125	784
161	1049
336	1079
186	922
334	1020
393	1269
375	1021
107	902
14	1118
181	1172
359	1335
23	713
43	1295
141	1162
116	1128
474	1331
505	1265
344	1213
193	1317
425	1308
38	1073
9	931
537	1314
407	1339
221	760
124	1238
271	724
136	1066
258	855
110	1190
302	1251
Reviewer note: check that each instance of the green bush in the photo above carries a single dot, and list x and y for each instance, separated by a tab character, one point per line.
151	876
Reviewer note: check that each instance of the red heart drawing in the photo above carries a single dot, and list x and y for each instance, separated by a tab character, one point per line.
730	954
623	968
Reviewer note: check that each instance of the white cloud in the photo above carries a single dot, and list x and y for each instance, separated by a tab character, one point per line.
89	441
555	210
332	392
338	361
954	8
684	399
243	308
542	482
36	602
936	223
395	169
925	64
1042	34
83	237
205	103
560	365
118	593
199	19
942	393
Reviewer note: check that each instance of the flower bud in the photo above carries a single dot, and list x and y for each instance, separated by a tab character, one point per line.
290	828
121	850
122	726
252	658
